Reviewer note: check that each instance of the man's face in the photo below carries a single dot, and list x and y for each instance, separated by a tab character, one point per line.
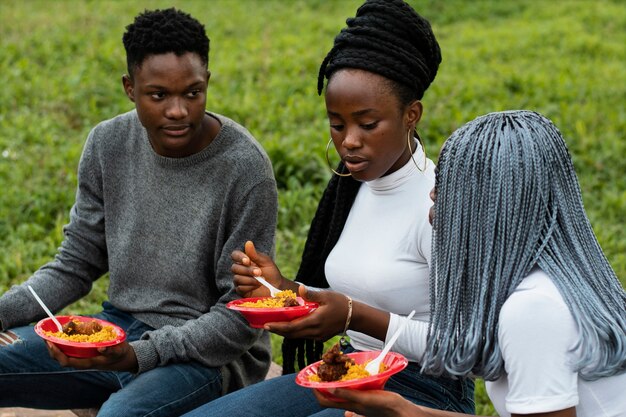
169	93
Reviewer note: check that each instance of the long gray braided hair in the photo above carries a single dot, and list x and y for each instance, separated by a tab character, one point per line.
507	199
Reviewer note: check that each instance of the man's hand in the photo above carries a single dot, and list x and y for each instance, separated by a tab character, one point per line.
114	358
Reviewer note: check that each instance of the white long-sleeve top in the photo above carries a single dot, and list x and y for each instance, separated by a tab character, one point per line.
383	254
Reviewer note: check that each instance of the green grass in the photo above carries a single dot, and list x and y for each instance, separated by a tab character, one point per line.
61	64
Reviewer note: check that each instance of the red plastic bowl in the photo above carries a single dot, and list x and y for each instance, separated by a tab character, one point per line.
77	349
258	316
395	363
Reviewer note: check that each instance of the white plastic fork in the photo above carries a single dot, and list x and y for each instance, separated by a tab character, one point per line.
373	367
46	309
273	289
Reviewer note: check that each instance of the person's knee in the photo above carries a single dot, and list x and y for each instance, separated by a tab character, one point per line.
8	338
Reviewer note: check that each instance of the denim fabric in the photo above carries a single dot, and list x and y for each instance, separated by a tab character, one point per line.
26	368
434	392
282	397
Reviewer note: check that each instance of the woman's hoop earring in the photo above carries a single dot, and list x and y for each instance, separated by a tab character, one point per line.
329	164
419	140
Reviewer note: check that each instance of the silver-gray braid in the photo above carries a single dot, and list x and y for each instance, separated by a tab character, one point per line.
508	199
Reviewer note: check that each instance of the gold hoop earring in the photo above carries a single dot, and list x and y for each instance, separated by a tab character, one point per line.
329	164
419	140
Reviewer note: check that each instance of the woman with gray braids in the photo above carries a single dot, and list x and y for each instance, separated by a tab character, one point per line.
522	293
370	239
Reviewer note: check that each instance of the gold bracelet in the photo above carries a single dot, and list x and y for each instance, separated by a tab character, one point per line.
345	329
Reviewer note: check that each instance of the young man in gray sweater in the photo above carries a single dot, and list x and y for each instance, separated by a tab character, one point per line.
165	193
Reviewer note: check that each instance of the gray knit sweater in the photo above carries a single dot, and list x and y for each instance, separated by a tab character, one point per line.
164	229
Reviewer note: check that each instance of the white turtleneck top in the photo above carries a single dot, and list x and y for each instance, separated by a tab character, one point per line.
383	254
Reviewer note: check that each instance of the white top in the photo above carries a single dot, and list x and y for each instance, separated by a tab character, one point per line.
382	256
536	335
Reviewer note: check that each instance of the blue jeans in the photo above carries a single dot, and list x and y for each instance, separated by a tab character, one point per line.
30	378
282	397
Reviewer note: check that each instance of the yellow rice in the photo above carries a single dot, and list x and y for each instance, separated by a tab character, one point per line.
107	333
271	302
355	371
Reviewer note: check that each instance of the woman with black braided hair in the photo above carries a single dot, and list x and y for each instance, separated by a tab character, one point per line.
522	294
370	238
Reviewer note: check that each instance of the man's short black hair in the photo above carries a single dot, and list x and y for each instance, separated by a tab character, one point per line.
163	31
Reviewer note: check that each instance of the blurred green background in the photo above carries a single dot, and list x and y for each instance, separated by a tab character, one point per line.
61	64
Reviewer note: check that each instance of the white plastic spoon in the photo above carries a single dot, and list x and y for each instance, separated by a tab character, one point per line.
374	366
48	312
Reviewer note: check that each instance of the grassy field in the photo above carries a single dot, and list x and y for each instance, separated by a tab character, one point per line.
61	64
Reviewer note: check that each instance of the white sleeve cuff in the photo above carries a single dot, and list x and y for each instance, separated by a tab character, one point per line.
412	340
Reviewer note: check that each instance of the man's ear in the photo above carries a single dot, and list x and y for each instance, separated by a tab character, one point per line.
127	83
414	113
208	76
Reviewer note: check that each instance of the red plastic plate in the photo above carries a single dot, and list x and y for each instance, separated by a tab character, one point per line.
77	349
395	363
257	317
